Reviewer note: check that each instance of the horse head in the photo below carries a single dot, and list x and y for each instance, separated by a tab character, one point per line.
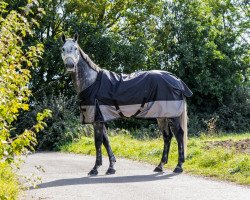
70	53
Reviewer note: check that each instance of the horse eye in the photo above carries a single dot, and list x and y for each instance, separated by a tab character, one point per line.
63	49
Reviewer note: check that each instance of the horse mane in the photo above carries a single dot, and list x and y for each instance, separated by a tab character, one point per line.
89	61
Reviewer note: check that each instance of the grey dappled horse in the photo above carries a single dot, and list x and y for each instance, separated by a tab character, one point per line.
85	74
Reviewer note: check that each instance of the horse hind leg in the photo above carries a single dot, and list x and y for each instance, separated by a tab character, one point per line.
176	129
167	136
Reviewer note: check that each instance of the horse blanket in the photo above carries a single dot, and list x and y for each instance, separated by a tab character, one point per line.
146	94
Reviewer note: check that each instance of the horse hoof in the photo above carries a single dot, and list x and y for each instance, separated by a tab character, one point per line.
110	171
93	172
158	169
178	170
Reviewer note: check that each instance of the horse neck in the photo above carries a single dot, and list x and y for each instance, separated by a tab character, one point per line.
84	75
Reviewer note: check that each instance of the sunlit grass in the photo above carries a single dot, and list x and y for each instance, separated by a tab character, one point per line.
222	163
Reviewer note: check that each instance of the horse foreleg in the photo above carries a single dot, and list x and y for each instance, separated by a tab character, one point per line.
178	132
98	135
112	160
167	136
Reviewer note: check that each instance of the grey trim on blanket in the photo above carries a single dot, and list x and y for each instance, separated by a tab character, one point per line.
155	109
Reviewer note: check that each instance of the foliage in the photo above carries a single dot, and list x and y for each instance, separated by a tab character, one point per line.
144	130
204	42
205	47
64	127
218	162
234	115
15	62
9	183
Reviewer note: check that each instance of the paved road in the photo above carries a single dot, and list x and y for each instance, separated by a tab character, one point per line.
65	178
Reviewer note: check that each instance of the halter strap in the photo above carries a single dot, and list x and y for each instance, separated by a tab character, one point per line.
70	56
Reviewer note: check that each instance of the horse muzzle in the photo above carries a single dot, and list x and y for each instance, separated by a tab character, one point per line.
70	65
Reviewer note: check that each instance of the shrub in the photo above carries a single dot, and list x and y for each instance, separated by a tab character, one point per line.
15	62
232	116
62	128
235	115
9	183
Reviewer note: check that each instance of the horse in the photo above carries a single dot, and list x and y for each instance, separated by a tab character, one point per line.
118	96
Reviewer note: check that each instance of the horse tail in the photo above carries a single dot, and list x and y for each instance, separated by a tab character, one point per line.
183	123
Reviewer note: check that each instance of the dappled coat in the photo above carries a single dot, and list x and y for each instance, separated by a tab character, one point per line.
146	94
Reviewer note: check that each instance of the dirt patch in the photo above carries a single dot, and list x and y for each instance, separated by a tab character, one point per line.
242	146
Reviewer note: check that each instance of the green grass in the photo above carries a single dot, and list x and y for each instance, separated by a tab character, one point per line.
9	187
218	162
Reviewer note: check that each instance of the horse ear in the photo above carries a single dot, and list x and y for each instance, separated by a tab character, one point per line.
63	38
76	37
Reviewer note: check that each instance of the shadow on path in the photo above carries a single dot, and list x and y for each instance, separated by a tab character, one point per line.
106	179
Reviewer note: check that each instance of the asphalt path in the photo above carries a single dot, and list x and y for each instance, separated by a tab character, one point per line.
64	177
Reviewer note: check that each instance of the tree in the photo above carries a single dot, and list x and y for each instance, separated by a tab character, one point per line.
15	62
202	43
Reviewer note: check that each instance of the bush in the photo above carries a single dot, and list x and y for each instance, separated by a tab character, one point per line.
235	115
232	116
138	128
16	59
9	183
15	62
63	127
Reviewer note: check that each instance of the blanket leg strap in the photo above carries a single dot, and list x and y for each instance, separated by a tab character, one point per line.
118	109
142	105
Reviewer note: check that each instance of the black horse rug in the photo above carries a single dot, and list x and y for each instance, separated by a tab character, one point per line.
147	94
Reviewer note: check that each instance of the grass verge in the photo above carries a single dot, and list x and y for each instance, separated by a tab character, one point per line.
216	161
9	187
